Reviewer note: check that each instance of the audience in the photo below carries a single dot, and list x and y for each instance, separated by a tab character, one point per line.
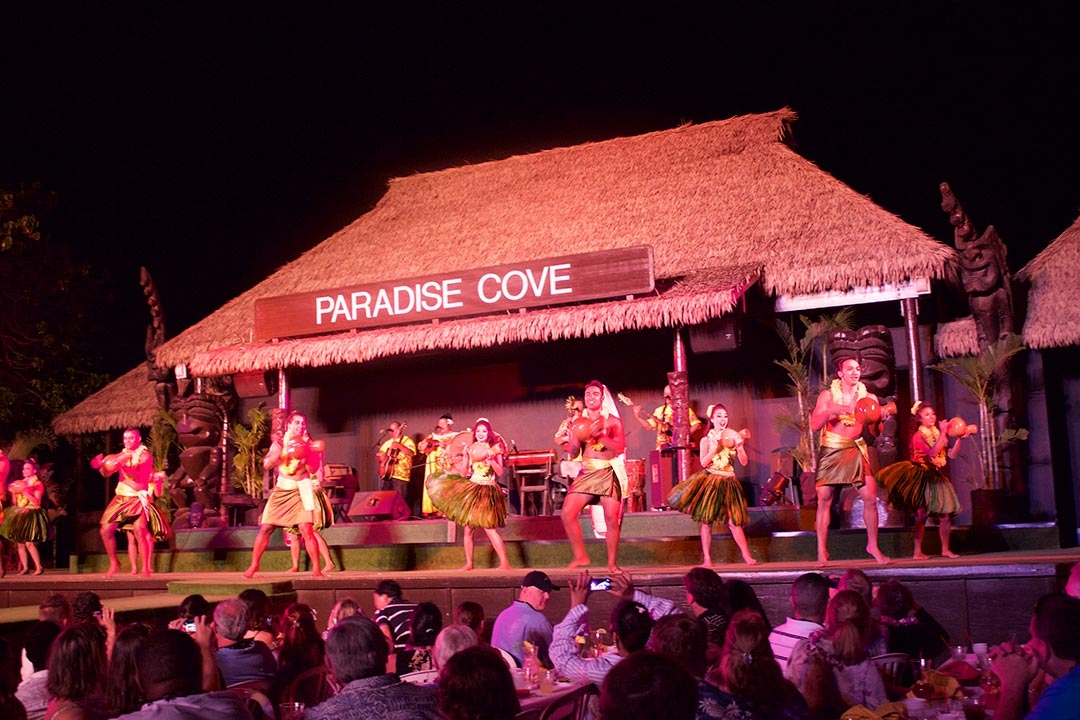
426	624
472	614
708	601
841	645
190	607
56	608
86	607
393	615
356	653
171	677
345	607
749	671
11	708
122	691
809	597
32	691
260	623
475	684
649	685
524	620
1072	585
240	659
907	627
301	647
452	639
741	596
76	681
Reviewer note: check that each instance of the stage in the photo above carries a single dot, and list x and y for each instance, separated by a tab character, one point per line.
988	592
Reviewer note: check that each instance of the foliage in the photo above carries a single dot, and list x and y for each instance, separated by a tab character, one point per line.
799	363
247	440
27	441
982	374
163	439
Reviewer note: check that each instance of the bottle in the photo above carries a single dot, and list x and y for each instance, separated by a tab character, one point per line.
923	688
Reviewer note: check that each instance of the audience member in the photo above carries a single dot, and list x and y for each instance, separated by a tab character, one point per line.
475	684
190	607
122	691
393	615
630	624
748	670
472	614
857	580
649	685
11	707
86	607
301	647
708	601
356	654
345	607
452	639
524	620
240	659
1072	585
32	692
76	681
809	597
1055	649
426	624
171	677
842	645
56	608
260	622
741	596
907	626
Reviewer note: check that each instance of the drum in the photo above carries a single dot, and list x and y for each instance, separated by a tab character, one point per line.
455	452
635	483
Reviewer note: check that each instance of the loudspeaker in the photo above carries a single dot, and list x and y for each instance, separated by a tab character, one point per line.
378	505
661	476
254	384
718	335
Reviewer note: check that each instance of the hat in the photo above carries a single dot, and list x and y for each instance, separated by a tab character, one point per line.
539	580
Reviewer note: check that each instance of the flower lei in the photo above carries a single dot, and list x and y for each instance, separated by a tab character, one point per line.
821	653
902	622
289	464
838	397
931	436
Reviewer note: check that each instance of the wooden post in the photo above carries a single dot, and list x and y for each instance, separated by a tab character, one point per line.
680	414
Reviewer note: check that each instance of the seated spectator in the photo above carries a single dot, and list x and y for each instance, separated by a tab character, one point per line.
426	624
630	625
857	580
171	677
345	607
240	659
749	671
260	621
475	684
524	620
56	608
1055	649
907	627
190	607
809	597
301	647
122	691
452	639
842	645
11	708
649	685
708	601
741	596
393	615
684	638
472	614
86	607
32	691
356	654
1072	585
76	681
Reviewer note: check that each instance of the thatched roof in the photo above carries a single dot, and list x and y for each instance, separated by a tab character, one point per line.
1053	315
956	338
707	198
128	401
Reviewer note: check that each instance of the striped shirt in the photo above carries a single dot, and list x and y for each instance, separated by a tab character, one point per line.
785	637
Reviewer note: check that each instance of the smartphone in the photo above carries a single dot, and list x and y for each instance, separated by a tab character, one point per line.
189	626
597	584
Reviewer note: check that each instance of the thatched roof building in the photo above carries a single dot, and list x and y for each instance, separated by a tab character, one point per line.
723	205
1053	315
128	401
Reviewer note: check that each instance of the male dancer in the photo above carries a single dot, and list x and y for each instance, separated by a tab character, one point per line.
132	508
602	474
843	458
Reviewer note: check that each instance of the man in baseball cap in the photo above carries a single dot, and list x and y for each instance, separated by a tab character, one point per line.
524	620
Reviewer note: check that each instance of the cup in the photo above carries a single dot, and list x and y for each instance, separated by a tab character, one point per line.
915	707
521	682
547	682
291	710
974	708
980	648
959	653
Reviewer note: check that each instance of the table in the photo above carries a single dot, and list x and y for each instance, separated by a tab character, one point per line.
537	701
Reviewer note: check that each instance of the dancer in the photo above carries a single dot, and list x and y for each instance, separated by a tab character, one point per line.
322	517
601	439
433	447
292	503
5	467
713	494
843	458
469	495
132	509
27	523
919	485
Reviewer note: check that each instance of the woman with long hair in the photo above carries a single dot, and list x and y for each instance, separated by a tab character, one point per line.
919	485
122	692
77	666
426	624
842	645
470	495
748	670
345	607
713	494
260	622
27	523
300	648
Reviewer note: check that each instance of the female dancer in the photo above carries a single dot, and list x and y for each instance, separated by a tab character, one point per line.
470	496
919	486
27	523
292	502
713	494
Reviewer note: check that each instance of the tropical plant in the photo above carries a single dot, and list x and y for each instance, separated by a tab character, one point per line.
801	353
163	438
247	440
982	374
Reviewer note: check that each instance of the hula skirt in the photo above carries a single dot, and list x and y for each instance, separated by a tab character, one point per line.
125	511
708	498
468	503
915	486
322	516
600	481
842	466
26	524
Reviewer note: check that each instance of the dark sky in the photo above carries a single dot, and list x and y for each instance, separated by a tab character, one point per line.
214	143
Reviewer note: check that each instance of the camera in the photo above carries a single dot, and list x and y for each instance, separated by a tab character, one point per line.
189	626
597	584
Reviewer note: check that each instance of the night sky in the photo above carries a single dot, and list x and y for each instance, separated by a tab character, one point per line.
219	144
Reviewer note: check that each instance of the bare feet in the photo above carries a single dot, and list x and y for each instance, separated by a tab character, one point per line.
880	557
823	559
250	572
23	571
113	569
146	574
579	562
949	554
706	561
750	560
39	571
505	566
466	567
318	575
133	572
614	569
329	568
294	568
920	556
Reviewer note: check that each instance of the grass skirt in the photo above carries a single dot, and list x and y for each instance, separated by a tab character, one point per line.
708	498
285	509
913	486
26	525
601	481
125	510
322	516
466	502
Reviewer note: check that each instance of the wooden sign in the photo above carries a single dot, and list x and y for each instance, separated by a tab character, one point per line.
481	291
